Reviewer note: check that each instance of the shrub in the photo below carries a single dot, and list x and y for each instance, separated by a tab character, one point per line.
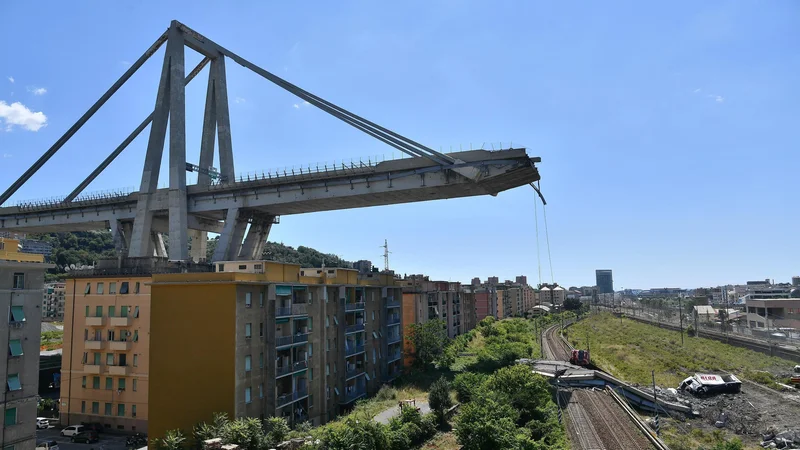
399	440
276	430
466	384
386	392
439	398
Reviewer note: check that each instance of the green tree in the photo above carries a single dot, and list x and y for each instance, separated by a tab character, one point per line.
246	432
277	429
429	340
572	304
466	385
439	398
173	440
356	433
528	392
487	424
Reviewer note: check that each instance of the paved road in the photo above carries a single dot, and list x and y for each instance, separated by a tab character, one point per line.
107	441
386	415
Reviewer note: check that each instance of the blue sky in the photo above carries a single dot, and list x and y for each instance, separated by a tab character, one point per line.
668	133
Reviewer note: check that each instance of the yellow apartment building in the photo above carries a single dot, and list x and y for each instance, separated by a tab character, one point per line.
105	365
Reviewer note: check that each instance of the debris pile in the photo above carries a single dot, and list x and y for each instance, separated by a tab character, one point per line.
784	440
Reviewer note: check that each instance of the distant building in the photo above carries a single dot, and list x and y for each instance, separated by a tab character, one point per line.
53	301
476	282
522	279
795	281
494	281
605	281
363	266
36	247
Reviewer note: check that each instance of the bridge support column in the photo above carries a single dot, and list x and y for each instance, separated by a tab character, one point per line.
253	245
199	245
225	238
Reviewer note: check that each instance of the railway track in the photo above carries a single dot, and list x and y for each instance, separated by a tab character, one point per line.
594	420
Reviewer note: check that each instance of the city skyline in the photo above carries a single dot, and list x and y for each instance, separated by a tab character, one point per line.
631	140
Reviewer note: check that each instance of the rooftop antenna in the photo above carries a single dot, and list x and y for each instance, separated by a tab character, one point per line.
386	252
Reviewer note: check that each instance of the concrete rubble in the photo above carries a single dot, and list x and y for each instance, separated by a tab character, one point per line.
784	440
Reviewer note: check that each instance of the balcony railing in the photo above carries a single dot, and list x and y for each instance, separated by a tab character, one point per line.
391	339
300	309
351	350
119	321
92	344
91	368
392	303
300	338
285	399
118	370
353	394
300	365
281	341
393	320
354	328
282	371
283	311
119	346
354	372
353	306
394	356
94	321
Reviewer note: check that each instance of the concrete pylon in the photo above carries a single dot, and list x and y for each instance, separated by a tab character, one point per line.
256	238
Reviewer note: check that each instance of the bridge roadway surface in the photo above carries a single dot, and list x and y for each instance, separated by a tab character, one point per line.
594	421
359	185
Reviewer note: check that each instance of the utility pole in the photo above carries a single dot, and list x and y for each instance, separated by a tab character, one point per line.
680	314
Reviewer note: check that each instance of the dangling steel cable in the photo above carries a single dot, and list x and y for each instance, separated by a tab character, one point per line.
547	237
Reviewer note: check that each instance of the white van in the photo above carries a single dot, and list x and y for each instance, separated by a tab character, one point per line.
72	430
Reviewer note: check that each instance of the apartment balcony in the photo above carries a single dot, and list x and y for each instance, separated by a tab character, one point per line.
282	371
121	371
351	350
283	341
353	394
283	311
93	345
354	373
393	320
354	328
358	306
285	399
300	309
94	321
119	346
300	365
300	338
91	368
120	321
392	303
391	339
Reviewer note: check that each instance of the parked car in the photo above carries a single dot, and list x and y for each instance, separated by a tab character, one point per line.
42	423
47	445
93	426
72	430
86	437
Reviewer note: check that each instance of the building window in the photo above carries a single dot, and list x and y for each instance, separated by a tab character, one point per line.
123	288
100	288
121	384
248	330
95	382
109	383
19	281
334	367
13	382
261	390
327	369
135	312
83	406
335	320
135	359
261	329
108	409
247	398
327	345
97	358
88	289
109	359
133	410
121	410
98	311
17	314
15	347
134	385
11	416
248	300
260	299
220	267
327	321
135	335
136	288
311	374
123	311
261	360
247	363
112	311
86	313
373	316
95	407
327	393
83	382
242	267
112	287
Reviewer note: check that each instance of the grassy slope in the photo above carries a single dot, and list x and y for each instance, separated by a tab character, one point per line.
631	350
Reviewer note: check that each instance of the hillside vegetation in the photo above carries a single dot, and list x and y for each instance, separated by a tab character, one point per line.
86	247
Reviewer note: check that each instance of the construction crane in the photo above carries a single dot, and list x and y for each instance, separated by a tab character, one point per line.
212	172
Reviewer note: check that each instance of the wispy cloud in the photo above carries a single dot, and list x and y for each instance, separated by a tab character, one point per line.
37	91
11	79
715	97
17	114
7	155
300	105
697	91
240	100
719	98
